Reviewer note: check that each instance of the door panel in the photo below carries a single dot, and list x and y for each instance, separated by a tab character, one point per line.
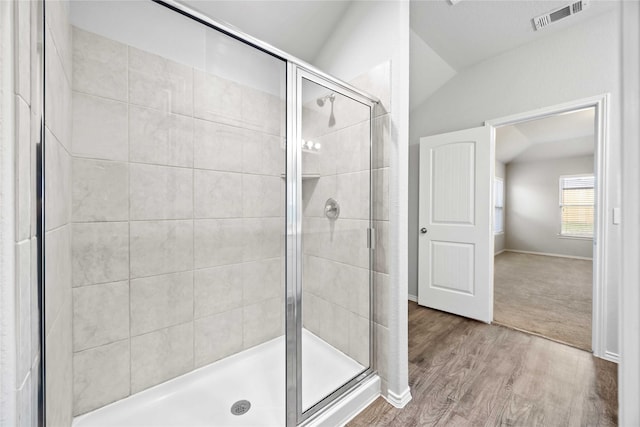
455	229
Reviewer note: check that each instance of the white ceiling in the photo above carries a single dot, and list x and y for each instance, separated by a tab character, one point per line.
475	30
560	136
444	39
298	27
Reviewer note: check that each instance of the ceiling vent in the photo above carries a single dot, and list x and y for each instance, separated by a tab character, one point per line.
559	13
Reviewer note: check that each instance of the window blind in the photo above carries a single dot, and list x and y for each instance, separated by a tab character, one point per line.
577	198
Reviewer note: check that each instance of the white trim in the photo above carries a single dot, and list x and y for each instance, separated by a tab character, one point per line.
611	356
601	105
548	254
398	400
413	298
499	252
629	295
348	407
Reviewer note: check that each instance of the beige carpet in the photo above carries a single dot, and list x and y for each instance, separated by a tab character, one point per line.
549	296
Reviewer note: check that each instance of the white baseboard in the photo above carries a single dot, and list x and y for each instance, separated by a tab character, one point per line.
413	298
499	252
548	254
398	400
343	411
611	357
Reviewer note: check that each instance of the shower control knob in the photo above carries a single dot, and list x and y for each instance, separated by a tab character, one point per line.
423	230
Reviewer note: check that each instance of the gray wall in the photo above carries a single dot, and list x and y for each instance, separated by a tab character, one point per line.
499	239
580	62
533	215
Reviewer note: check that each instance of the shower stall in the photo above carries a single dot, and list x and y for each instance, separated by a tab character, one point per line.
209	231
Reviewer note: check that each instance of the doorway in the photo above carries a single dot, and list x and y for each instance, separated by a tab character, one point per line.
457	211
577	191
544	204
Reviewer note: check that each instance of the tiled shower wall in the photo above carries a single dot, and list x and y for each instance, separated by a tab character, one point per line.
178	219
336	297
58	307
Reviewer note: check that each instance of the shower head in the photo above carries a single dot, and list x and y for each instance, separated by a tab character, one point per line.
320	101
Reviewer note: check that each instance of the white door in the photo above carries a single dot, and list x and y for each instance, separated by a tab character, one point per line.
455	247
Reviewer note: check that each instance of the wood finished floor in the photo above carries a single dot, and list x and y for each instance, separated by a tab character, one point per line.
467	373
549	296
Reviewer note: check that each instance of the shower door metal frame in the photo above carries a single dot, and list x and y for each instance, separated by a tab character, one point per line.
296	68
295	75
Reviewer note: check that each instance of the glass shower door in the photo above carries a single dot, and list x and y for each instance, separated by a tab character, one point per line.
334	138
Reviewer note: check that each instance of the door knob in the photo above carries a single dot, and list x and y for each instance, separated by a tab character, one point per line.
423	230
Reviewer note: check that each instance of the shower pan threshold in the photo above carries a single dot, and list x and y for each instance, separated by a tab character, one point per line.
204	397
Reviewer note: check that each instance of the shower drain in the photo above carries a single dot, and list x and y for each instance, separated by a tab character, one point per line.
241	407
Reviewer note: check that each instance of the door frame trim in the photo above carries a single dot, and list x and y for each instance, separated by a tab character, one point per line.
601	104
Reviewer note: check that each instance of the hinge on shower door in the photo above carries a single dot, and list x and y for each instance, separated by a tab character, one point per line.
371	238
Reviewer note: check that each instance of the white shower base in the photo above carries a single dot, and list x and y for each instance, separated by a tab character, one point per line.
204	397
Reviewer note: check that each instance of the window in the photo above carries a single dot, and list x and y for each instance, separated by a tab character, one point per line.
498	216
576	205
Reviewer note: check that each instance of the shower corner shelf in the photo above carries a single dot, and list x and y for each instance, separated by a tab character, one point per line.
305	176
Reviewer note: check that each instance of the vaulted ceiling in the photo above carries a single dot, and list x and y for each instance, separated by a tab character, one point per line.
445	38
559	136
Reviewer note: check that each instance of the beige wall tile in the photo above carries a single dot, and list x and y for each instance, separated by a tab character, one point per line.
100	376
161	355
263	154
216	99
381	141
100	314
58	273
262	280
262	322
262	196
353	194
381	298
161	301
353	283
352	152
100	190
160	83
99	128
159	247
217	289
59	375
359	339
263	238
217	336
218	146
380	196
58	100
57	18
99	65
217	194
218	242
26	410
100	252
161	138
57	183
161	192
381	260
